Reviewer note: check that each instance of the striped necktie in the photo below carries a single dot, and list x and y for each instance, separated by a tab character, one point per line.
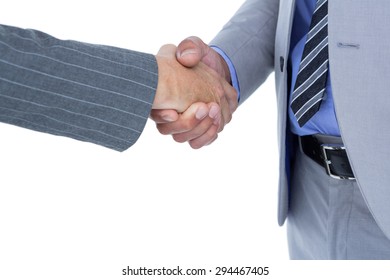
311	79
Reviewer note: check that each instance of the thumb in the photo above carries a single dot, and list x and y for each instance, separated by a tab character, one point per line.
191	51
163	116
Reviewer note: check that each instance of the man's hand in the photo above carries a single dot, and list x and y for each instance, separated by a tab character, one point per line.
192	50
200	124
179	87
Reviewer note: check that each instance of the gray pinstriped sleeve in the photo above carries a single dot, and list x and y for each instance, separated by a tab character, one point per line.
91	93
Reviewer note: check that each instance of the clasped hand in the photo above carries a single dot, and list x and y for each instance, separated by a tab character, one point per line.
194	99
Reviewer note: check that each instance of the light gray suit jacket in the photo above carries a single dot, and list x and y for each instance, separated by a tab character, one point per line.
257	40
92	93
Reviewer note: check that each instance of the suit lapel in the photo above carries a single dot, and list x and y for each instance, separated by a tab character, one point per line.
282	45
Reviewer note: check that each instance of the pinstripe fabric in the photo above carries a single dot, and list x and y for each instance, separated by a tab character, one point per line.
91	93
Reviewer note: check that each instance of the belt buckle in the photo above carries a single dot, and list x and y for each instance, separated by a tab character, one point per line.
328	162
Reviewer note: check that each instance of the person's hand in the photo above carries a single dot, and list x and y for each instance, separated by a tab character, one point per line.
198	126
179	87
192	50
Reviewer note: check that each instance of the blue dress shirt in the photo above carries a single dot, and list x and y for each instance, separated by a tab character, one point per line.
324	121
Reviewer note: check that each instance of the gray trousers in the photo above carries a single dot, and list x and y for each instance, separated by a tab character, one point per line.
329	219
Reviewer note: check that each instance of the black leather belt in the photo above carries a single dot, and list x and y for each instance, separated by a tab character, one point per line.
332	157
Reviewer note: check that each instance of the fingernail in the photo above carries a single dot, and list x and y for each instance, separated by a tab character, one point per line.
201	113
214	112
167	118
186	52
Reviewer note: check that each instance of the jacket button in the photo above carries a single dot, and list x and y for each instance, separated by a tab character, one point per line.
281	61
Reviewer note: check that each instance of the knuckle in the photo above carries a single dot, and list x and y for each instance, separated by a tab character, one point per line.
228	118
220	90
221	126
210	134
162	129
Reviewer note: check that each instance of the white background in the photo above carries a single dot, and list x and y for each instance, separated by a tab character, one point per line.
73	210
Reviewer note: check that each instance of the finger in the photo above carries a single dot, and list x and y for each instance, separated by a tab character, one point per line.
164	116
191	51
187	121
206	139
215	112
198	131
205	132
167	50
231	96
228	104
226	115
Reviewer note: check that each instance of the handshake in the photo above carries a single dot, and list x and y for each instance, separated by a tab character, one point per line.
194	99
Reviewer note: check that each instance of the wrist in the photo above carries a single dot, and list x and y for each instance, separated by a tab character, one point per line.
225	69
223	66
230	73
161	98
